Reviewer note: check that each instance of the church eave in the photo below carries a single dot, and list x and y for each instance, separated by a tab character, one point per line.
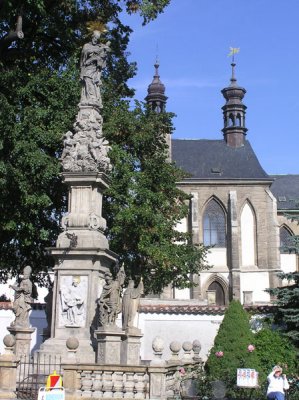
225	181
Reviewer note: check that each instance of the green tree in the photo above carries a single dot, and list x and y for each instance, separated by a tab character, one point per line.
287	302
232	341
274	349
286	313
144	204
38	100
39	93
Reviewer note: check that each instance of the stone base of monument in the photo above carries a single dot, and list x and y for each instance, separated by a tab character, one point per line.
56	347
130	351
109	341
23	339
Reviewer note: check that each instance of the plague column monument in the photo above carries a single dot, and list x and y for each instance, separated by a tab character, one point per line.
82	255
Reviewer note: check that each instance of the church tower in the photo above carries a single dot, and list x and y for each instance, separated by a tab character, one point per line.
156	99
234	111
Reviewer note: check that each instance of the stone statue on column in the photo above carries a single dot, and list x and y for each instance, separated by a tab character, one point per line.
23	300
109	302
86	149
93	60
130	303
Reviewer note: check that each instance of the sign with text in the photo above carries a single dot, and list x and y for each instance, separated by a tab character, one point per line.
54	394
247	377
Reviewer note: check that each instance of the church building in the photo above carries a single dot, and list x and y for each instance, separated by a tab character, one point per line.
236	208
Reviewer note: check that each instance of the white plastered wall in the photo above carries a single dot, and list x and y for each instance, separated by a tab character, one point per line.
217	257
177	327
37	320
256	282
288	262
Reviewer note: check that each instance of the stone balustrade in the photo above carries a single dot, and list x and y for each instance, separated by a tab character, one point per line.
104	381
156	380
92	381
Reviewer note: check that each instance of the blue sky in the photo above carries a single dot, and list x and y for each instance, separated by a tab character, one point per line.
193	39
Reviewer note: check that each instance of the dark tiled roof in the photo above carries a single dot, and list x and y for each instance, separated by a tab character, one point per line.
286	190
196	309
213	159
181	309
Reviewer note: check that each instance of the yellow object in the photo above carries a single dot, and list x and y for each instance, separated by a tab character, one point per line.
54	381
233	50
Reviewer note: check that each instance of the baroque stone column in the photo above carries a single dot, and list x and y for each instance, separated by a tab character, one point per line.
82	255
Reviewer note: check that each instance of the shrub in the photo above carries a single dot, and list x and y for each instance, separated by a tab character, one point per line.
274	349
230	350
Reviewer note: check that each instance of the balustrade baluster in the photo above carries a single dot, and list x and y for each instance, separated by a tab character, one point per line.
97	385
129	385
107	384
118	385
139	385
86	383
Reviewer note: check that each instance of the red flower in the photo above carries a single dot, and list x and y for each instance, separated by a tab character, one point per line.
219	354
250	348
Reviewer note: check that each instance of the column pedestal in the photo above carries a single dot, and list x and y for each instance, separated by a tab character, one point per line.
23	340
109	341
130	352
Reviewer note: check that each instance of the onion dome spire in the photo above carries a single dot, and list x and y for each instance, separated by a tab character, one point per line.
156	92
234	111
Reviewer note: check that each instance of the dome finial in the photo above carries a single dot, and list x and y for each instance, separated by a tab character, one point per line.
233	79
156	91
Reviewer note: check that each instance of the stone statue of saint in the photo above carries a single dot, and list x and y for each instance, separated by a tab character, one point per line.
23	300
130	303
72	302
110	299
93	60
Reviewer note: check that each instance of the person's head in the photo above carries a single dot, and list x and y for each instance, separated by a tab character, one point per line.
277	370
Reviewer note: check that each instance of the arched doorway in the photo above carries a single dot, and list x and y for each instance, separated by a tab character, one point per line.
219	293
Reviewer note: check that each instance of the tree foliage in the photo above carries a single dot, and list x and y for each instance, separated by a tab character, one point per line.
287	302
270	348
144	205
39	93
233	338
274	349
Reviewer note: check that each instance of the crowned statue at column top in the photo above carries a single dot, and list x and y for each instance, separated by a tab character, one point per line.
85	148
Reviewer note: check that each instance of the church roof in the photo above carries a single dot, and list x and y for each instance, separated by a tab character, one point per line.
286	190
214	159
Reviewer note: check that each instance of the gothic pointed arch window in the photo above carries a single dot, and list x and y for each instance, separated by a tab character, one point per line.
214	225
286	241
